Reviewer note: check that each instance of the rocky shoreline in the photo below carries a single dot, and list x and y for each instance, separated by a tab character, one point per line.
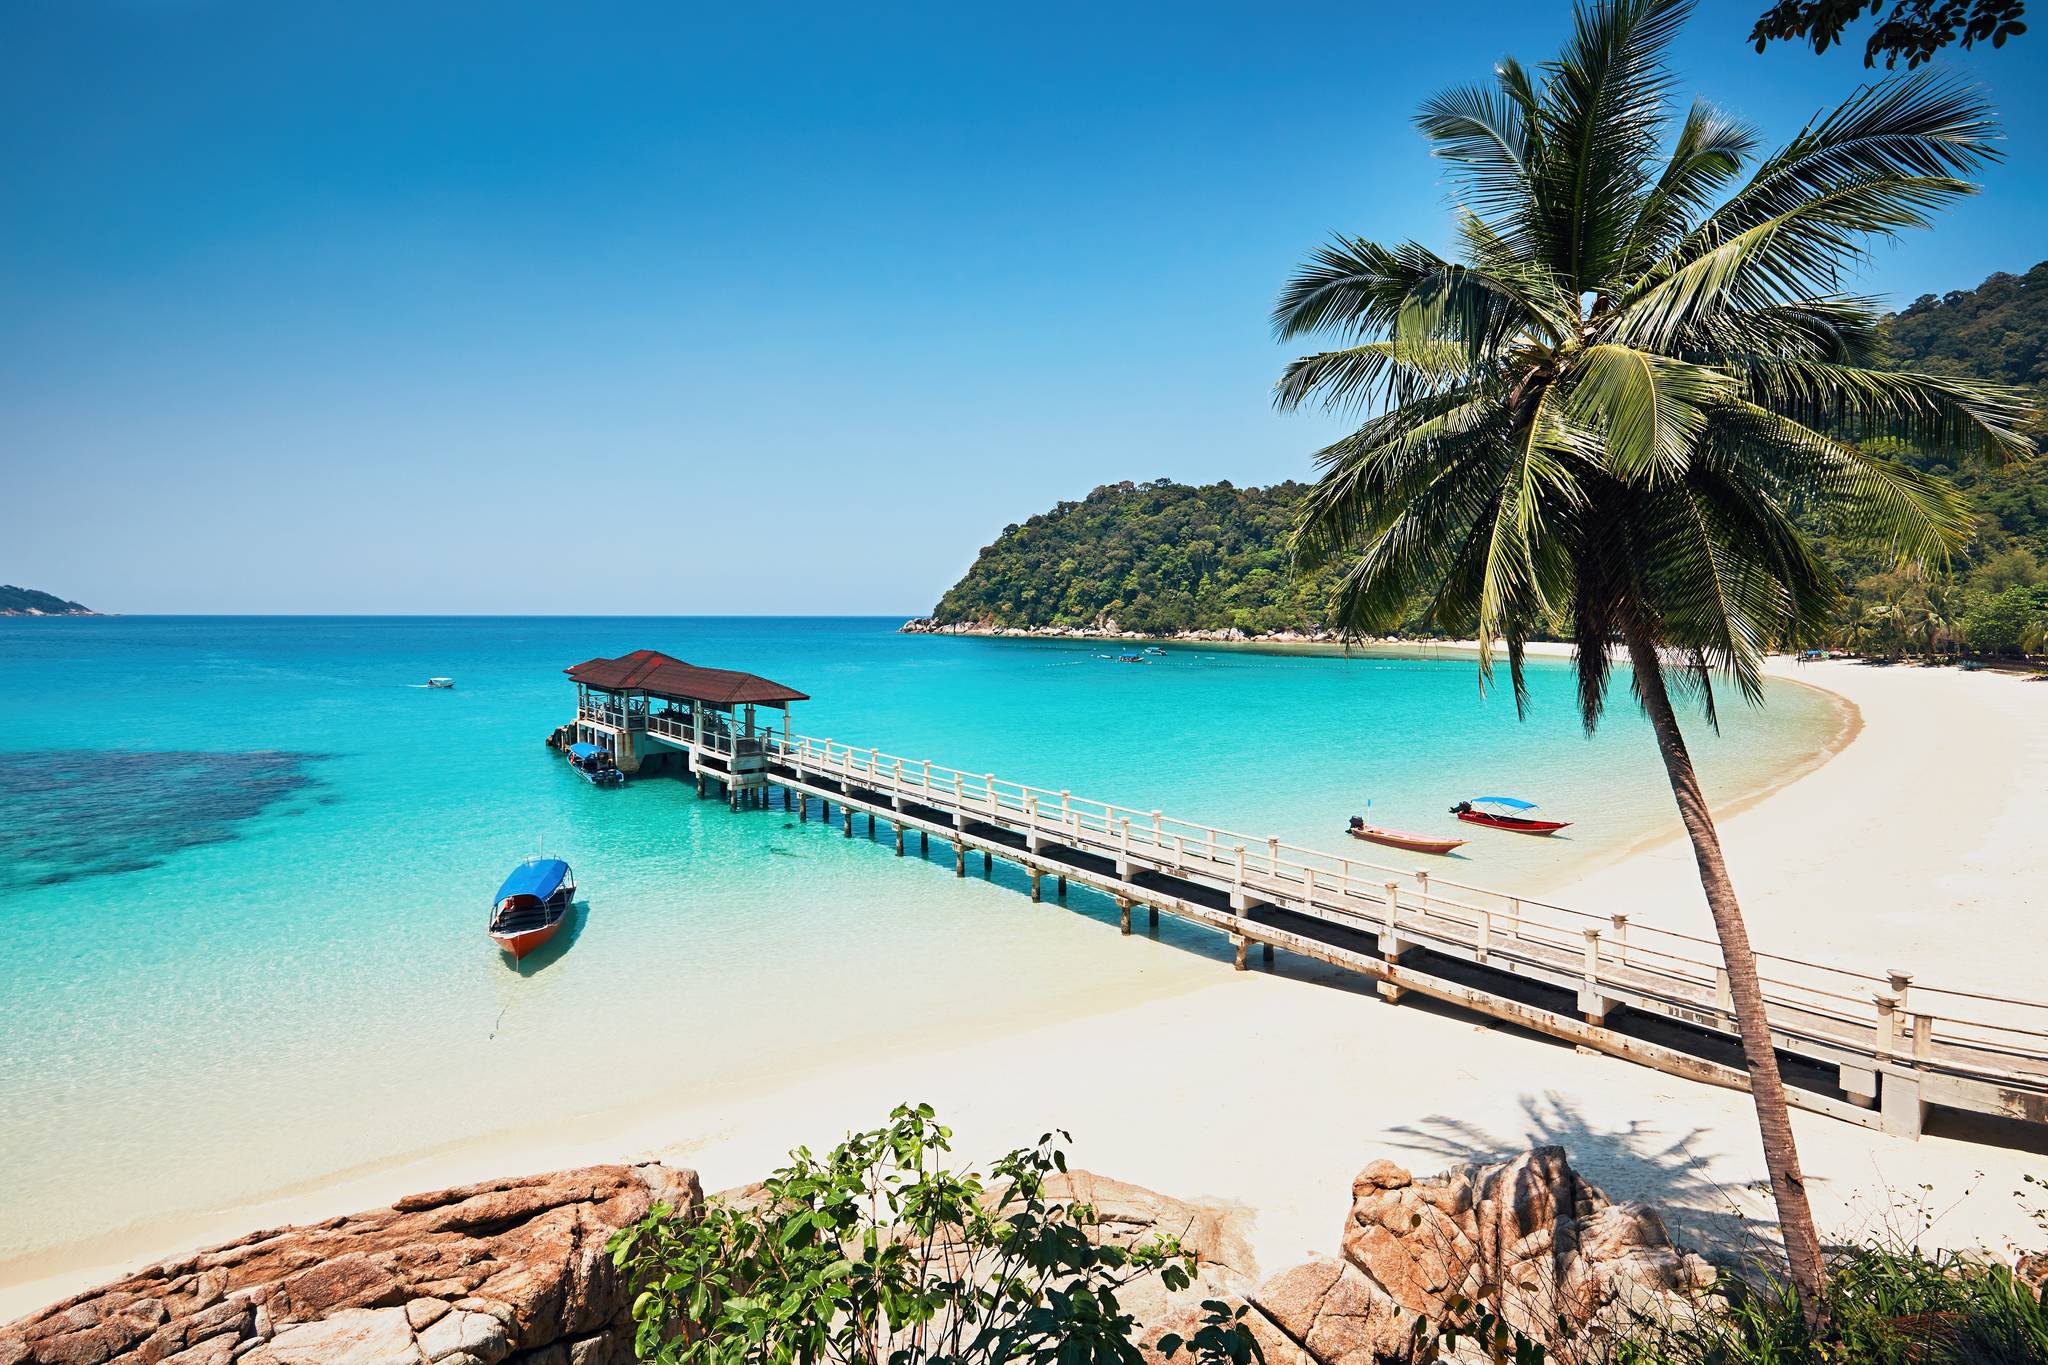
1109	630
517	1271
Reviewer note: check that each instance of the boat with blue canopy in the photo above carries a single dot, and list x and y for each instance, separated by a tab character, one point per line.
595	765
531	904
1505	812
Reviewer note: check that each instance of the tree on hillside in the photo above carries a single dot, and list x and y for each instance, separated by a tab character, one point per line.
1605	416
1915	29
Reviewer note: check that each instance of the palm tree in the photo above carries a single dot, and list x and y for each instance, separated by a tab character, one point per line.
1609	415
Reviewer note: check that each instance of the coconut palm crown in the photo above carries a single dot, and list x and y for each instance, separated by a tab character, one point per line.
1607	417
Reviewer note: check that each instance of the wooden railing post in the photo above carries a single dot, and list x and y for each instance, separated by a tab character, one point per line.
988	782
1923	1037
1902	984
1887	1025
1158	833
1273	856
1621	938
1485	928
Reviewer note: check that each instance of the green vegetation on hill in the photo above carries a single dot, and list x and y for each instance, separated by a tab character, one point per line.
1163	556
1155	557
30	602
1994	598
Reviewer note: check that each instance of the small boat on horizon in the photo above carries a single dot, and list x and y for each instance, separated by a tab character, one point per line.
1397	838
531	904
440	682
595	766
1505	812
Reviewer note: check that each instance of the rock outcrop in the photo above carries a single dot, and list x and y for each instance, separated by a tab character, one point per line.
508	1270
1527	1239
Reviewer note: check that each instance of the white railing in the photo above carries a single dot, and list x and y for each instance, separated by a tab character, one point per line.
1888	1015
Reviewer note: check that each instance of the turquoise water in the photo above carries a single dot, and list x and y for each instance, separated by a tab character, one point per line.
245	866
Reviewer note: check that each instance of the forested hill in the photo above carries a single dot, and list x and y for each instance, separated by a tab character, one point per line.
1161	557
31	602
1156	557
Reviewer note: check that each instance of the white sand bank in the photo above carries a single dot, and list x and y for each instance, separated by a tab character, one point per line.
1917	846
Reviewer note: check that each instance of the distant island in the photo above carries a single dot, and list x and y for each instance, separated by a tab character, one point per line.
31	602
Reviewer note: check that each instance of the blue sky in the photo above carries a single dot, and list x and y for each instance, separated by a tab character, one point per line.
521	307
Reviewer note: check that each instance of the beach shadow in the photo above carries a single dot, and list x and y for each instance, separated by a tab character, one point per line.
551	952
1633	1159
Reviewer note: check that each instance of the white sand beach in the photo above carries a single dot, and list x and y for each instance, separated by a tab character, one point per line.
1916	846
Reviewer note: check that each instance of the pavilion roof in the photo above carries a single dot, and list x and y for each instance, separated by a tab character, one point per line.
662	675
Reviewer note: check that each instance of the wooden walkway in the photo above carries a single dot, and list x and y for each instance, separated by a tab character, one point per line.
1878	1050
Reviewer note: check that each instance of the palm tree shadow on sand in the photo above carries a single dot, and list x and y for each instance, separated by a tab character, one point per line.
1638	1160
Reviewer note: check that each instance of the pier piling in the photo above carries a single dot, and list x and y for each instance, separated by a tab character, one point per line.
1036	894
899	840
959	860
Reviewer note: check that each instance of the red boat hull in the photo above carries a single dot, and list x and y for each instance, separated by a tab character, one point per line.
1414	843
1512	822
520	944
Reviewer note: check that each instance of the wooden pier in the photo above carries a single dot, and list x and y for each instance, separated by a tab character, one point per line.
1877	1050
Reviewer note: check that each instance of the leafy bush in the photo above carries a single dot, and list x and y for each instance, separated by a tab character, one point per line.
875	1254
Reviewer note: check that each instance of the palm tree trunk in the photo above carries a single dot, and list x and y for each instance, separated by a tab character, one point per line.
1766	1086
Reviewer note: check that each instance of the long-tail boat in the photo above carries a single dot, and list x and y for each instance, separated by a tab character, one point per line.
531	904
1505	812
1396	838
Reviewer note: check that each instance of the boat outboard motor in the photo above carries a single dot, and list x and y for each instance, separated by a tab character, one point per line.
1358	822
1463	807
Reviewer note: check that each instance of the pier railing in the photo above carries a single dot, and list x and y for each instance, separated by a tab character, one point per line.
1888	1016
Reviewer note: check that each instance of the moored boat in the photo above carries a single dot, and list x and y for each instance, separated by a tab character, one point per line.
531	904
1397	838
595	765
1505	812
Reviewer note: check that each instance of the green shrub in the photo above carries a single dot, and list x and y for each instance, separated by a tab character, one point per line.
875	1254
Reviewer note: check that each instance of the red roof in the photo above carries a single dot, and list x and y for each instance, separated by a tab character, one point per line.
649	670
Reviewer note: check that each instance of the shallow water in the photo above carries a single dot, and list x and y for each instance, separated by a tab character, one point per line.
245	866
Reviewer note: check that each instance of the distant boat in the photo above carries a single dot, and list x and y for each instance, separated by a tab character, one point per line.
1154	649
595	765
1132	659
531	904
440	682
1505	812
1395	838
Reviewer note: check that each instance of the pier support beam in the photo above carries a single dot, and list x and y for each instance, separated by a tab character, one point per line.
1060	888
959	860
846	821
871	824
924	843
1152	918
899	841
1902	1105
988	863
1266	953
1036	894
700	786
1237	943
1123	915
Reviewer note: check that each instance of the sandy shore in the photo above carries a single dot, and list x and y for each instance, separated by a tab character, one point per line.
1915	846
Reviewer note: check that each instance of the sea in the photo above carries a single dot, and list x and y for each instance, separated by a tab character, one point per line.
246	866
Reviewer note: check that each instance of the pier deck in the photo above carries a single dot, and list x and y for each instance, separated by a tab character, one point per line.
1882	1050
1878	1050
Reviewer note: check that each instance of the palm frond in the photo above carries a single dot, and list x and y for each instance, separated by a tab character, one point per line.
1650	408
1601	116
1935	412
1358	375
